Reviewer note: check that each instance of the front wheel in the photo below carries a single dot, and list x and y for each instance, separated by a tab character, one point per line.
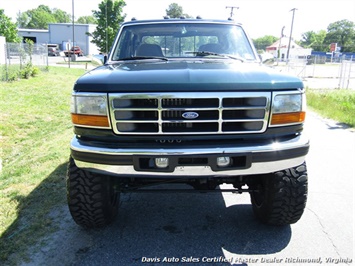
281	197
92	200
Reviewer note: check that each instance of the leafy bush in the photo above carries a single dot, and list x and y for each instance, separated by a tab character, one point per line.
29	71
9	73
26	72
35	71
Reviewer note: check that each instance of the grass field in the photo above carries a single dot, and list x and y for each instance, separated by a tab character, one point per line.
338	105
35	134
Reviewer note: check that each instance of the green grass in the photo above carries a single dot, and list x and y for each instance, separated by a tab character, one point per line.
35	134
335	104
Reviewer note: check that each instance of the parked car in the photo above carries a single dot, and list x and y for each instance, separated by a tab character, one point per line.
53	51
74	50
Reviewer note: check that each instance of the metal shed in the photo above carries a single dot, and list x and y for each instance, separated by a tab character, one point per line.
61	34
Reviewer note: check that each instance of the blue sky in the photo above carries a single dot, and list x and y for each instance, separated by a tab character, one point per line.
260	17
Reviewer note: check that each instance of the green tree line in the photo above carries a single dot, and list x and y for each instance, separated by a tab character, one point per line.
341	32
40	17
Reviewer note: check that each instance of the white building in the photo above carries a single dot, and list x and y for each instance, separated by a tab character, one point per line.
37	36
61	34
279	49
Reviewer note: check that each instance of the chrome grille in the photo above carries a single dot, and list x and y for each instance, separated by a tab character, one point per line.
189	113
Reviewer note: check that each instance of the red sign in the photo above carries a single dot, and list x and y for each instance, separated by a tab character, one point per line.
333	47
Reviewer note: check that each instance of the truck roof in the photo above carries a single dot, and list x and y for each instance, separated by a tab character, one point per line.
182	20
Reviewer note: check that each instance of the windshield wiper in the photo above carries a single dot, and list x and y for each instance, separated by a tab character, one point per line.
143	58
206	53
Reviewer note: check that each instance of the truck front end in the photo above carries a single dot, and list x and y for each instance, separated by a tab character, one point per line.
187	101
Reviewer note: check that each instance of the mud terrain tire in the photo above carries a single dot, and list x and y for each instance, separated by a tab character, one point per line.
282	196
92	201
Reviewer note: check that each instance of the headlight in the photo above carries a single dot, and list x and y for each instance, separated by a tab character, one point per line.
89	110
288	108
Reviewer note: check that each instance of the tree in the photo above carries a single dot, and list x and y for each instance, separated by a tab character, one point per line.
22	19
40	17
87	20
109	18
175	11
343	33
314	40
8	29
61	16
263	42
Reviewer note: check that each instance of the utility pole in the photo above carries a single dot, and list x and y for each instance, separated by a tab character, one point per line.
289	41
282	35
232	8
106	30
73	21
70	56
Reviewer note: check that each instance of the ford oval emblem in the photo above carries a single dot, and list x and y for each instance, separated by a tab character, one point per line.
190	115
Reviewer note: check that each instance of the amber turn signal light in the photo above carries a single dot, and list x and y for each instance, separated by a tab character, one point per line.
288	118
90	120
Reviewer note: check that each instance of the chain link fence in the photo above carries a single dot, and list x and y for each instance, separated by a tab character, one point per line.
347	74
20	57
317	72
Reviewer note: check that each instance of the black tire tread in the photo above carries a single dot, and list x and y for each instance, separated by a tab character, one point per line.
286	196
90	197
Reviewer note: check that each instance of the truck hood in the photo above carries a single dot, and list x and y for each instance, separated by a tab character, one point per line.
194	75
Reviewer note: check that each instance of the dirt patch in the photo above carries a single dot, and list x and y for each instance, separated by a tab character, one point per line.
63	245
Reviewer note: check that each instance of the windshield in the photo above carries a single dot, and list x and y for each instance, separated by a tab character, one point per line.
182	40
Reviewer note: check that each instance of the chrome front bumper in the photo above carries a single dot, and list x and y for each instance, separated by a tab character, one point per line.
260	159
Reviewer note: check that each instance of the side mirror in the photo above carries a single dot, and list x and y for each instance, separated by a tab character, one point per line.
105	59
269	62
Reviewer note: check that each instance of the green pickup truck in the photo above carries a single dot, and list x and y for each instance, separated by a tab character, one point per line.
187	101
